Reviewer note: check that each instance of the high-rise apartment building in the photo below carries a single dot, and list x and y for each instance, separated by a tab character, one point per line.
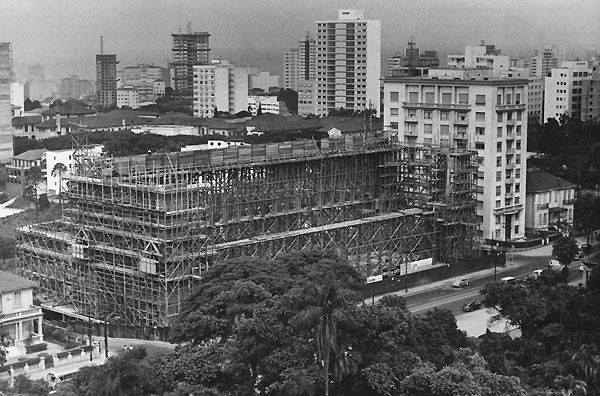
487	115
535	98
106	80
348	63
481	57
567	90
412	63
220	87
74	87
299	74
590	107
189	50
6	128
545	60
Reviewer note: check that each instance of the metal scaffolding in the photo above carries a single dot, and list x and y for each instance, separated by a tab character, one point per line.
139	231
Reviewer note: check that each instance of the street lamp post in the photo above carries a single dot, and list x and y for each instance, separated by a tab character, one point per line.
90	338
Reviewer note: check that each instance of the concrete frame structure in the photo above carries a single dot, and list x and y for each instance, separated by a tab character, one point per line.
139	232
348	63
189	50
106	80
6	128
489	116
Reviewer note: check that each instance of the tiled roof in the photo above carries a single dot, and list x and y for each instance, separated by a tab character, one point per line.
540	181
26	120
68	110
31	155
11	282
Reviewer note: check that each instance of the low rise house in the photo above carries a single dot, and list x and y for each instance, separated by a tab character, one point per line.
549	203
20	167
20	319
59	164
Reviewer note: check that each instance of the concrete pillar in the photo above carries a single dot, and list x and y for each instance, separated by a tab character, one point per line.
42	363
40	332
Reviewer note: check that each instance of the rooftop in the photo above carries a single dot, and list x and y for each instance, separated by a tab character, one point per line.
458	81
11	282
70	109
31	155
540	181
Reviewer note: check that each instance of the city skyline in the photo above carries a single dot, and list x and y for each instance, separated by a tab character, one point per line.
43	35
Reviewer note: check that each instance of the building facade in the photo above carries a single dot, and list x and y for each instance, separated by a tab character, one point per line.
128	96
489	116
590	107
59	164
220	87
20	320
549	203
262	80
267	104
545	60
412	63
106	80
6	128
481	57
567	90
189	50
300	74
74	87
348	52
535	97
143	78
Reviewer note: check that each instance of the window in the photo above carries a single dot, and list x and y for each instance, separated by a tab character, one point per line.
498	175
518	144
509	116
446	98
445	129
499	147
499	117
499	99
428	141
411	113
394	125
498	161
545	218
428	128
498	203
518	130
517	188
518	101
429	97
413	97
394	111
17	299
540	218
508	99
516	229
518	159
427	115
480	99
444	116
519	115
499	132
393	96
480	131
479	145
463	98
480	116
498	219
498	190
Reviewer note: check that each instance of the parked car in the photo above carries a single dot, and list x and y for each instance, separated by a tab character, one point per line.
460	283
471	306
508	279
537	273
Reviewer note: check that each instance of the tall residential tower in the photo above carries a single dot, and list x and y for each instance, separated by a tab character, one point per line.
6	128
348	63
189	50
106	78
300	72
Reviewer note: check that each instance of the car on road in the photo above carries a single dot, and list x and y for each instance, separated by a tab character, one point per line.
471	306
460	283
508	279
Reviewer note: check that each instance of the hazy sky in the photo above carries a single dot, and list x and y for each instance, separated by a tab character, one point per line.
63	34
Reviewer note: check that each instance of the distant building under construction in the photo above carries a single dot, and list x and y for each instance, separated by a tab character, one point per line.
140	231
189	50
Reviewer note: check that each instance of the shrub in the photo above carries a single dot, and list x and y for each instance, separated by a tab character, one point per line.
36	348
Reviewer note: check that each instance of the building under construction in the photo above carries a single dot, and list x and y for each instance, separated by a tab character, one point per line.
140	231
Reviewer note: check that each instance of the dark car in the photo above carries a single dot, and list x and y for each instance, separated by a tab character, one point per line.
471	306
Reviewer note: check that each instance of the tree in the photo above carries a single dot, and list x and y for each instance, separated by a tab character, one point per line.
59	169
565	249
587	214
33	178
587	360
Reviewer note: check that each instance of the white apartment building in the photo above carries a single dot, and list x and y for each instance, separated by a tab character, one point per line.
348	63
128	96
590	107
143	77
545	60
58	175
220	86
481	57
300	70
268	104
17	98
567	88
486	115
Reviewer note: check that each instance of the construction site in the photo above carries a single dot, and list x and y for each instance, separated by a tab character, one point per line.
139	232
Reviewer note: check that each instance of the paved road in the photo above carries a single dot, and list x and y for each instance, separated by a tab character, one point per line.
453	299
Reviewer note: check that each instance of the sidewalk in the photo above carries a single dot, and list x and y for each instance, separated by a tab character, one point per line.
542	251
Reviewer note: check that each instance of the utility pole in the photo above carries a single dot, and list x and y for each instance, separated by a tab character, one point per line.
90	338
105	337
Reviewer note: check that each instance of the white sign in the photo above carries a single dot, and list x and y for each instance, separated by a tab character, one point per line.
374	278
419	263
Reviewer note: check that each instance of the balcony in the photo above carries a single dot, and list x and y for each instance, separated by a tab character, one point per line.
508	209
410	133
440	106
511	150
568	202
509	194
31	311
511	122
459	121
520	106
542	206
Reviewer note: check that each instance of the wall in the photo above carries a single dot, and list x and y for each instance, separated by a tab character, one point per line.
8	301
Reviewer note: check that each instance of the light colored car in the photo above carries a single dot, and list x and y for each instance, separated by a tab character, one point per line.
538	272
460	283
508	279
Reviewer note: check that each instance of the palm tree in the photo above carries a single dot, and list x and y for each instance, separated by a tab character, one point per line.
324	314
588	361
59	169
